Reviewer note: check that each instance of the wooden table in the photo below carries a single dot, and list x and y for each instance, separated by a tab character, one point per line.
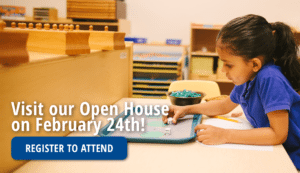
188	157
101	77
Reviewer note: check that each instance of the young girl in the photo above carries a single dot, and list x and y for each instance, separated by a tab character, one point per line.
261	60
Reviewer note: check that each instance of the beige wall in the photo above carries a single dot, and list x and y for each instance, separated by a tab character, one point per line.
161	19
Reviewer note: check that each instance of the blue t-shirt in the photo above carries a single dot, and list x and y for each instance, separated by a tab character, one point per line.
270	91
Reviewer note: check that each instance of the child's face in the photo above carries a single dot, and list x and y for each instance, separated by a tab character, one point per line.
236	68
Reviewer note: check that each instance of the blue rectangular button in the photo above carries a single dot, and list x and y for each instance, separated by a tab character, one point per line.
69	148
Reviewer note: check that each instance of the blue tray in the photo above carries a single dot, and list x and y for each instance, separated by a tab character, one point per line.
189	135
136	39
173	41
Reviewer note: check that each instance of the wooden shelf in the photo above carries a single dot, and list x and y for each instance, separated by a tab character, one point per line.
159	44
200	53
154	66
206	26
148	92
149	96
153	81
204	65
145	86
153	72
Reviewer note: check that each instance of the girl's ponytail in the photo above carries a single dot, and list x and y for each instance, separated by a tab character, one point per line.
285	54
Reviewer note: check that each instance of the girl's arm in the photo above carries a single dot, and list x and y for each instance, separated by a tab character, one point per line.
211	108
273	135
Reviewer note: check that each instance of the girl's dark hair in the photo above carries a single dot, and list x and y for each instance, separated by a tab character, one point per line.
251	36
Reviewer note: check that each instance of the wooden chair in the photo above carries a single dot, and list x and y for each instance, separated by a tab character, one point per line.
210	88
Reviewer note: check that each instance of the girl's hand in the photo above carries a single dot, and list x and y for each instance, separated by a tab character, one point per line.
237	114
175	112
210	135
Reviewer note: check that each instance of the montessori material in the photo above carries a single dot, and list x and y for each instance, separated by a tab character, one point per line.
154	130
96	9
45	14
54	41
12	52
66	40
183	97
154	68
107	40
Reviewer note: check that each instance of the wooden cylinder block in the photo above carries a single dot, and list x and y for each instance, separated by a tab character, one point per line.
47	26
2	25
13	24
22	25
61	27
54	27
66	27
13	48
30	25
105	40
71	27
39	26
58	42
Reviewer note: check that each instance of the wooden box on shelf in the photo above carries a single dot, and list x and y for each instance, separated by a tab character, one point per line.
96	9
45	14
55	41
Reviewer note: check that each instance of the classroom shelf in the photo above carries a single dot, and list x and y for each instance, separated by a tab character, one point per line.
156	71
158	44
155	67
149	96
145	80
200	53
204	60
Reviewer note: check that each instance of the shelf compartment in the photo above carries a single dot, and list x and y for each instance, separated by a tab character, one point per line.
146	80
204	37
155	71
149	92
155	65
202	65
149	96
153	76
139	86
201	53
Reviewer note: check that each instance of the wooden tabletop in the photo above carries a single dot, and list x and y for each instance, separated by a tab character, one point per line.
188	157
